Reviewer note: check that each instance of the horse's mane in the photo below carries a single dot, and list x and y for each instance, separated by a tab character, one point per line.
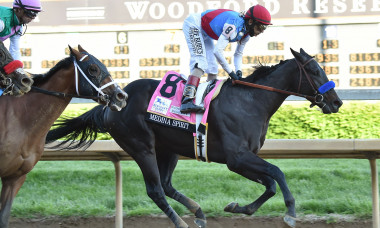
40	78
261	71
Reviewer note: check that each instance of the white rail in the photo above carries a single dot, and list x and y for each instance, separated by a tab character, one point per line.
273	148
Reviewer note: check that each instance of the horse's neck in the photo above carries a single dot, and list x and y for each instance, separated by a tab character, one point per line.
269	101
44	109
283	77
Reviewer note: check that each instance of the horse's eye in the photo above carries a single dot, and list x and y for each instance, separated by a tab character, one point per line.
94	70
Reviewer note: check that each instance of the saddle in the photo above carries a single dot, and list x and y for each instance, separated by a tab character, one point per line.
164	108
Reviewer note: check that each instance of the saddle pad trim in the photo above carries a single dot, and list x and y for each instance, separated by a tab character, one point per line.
169	122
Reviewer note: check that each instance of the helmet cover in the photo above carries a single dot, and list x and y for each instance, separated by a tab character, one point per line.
259	13
34	5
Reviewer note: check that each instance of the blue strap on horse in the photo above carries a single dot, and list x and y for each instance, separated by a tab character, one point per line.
326	87
1	91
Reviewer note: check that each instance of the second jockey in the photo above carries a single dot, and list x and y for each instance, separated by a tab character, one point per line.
13	22
13	25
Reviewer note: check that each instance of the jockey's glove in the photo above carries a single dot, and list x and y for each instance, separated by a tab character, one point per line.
234	76
239	74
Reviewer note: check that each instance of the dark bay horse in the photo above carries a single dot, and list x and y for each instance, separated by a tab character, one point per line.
237	125
27	119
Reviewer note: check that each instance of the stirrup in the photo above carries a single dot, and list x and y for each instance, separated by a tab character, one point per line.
188	107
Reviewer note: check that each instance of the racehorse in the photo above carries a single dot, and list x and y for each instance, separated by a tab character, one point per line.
237	124
13	78
27	119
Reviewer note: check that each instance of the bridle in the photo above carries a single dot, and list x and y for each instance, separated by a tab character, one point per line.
102	97
8	84
316	99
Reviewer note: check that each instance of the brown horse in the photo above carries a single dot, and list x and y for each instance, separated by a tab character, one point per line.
14	81
27	119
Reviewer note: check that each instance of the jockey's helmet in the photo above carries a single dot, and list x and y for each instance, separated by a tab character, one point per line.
259	14
33	5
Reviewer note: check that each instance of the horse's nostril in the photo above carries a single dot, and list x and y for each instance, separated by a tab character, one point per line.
122	96
27	81
338	103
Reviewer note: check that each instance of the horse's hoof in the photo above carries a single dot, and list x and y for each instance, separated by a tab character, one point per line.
231	207
290	221
201	223
182	224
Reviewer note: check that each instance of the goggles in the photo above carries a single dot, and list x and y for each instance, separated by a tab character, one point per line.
262	27
31	13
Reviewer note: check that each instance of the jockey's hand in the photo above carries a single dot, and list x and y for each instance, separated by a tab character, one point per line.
233	75
239	74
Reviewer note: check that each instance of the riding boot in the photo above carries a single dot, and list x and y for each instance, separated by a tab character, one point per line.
187	104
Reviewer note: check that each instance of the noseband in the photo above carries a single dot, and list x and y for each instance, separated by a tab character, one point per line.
318	92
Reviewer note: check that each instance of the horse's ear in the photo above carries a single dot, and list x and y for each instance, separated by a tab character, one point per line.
81	49
304	53
295	54
71	49
74	52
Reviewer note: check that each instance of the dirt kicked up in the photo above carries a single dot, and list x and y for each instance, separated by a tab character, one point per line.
335	221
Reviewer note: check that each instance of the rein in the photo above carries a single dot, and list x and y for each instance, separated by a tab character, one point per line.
250	84
318	98
62	95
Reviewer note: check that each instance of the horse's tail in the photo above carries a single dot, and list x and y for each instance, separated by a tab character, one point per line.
79	132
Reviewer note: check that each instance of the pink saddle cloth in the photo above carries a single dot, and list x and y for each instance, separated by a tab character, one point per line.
164	106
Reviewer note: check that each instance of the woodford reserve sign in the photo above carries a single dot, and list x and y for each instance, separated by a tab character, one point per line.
76	12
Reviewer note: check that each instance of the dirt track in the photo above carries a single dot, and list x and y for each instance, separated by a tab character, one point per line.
163	222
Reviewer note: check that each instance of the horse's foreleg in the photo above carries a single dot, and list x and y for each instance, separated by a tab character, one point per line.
166	166
247	165
10	187
279	177
249	209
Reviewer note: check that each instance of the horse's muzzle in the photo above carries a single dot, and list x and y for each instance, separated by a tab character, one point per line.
331	103
21	83
118	100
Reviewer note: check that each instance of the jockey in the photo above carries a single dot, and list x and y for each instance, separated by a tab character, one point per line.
12	21
225	26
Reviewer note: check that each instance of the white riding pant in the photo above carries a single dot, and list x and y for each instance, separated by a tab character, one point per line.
201	46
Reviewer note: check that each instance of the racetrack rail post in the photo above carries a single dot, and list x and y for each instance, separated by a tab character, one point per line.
375	190
119	196
115	158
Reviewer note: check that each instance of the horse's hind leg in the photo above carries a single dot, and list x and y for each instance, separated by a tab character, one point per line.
249	165
166	166
148	166
8	193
